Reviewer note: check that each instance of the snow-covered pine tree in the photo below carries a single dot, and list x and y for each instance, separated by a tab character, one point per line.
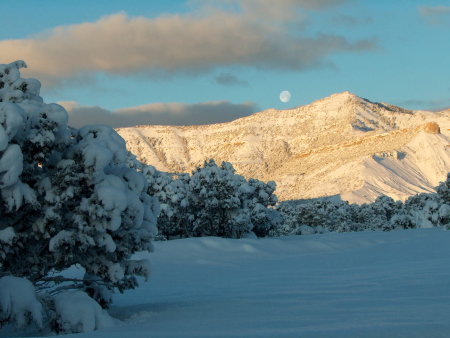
175	217
376	215
32	134
443	190
418	211
103	206
172	193
67	196
443	214
325	214
215	202
261	198
317	215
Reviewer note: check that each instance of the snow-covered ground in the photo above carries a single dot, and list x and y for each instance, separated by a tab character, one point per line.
368	284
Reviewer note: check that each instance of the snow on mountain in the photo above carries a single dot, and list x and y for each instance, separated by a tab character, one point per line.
418	167
339	145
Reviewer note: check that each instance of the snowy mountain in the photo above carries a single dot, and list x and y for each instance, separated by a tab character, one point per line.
339	145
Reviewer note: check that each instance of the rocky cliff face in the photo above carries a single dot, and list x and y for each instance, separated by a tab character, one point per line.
340	145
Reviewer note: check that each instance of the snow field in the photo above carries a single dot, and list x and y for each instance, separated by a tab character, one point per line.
367	284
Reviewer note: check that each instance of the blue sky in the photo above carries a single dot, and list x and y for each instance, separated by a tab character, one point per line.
190	62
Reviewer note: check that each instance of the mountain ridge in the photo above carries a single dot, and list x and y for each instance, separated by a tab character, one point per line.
323	148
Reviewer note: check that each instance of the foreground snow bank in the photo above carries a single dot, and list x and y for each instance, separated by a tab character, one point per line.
77	312
365	284
18	301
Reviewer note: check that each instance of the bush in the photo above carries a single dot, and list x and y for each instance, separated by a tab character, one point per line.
325	214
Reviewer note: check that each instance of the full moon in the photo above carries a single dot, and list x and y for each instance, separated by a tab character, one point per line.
285	96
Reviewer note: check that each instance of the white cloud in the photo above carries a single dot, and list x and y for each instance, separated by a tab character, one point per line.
255	35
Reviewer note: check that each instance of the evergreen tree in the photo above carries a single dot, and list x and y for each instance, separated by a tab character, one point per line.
214	201
261	198
68	196
443	214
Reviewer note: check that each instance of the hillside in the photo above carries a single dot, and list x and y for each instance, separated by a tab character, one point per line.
340	145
